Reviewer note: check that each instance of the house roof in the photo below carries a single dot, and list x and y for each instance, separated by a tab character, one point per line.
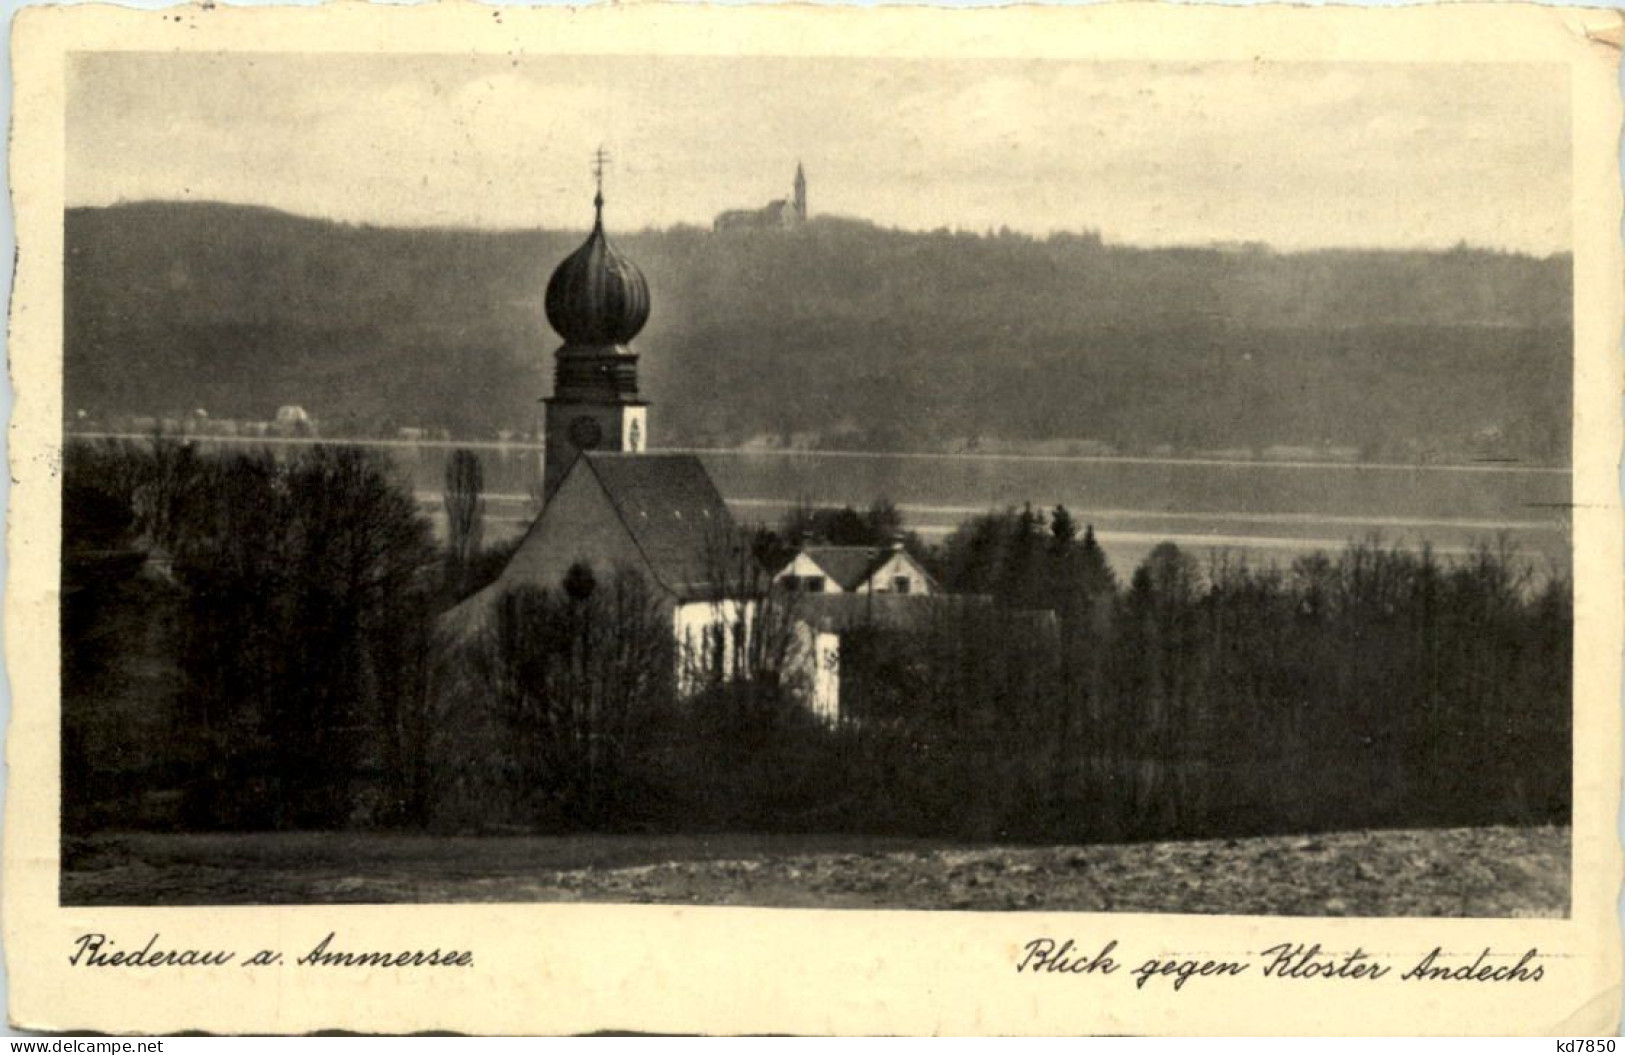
848	566
852	566
676	517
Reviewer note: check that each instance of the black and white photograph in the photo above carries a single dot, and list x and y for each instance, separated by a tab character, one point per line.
898	483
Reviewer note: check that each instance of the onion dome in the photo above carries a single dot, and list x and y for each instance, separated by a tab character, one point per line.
597	296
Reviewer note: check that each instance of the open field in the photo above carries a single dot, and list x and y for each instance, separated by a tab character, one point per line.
1454	872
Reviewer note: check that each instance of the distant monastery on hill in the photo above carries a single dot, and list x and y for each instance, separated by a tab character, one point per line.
779	214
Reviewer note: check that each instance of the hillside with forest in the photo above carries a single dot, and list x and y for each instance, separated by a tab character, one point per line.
840	334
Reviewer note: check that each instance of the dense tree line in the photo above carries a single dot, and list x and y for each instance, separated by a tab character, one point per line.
264	624
805	524
1375	687
261	642
816	332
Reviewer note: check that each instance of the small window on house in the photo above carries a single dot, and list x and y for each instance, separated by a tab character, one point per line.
790	582
813	584
900	584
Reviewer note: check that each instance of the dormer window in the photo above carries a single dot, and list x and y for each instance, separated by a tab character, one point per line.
813	584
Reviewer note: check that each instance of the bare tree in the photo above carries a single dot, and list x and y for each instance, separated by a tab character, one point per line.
573	679
757	627
465	515
305	581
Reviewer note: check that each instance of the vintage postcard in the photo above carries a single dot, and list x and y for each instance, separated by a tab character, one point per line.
815	520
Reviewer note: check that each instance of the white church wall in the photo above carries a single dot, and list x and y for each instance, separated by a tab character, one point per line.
813	660
709	635
823	653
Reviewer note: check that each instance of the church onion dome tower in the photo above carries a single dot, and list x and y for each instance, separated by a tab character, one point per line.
597	296
598	301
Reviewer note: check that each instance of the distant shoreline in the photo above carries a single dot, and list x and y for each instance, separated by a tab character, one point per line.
702	225
1096	459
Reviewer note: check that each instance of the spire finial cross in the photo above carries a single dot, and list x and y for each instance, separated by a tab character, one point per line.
600	161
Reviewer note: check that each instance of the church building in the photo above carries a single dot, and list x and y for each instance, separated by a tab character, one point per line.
781	213
608	504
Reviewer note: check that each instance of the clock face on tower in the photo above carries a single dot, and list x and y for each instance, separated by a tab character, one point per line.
586	433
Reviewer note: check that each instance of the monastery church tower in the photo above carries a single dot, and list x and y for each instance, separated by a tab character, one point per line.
597	300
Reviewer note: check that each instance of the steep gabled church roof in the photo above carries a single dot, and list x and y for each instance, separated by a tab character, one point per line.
675	515
671	513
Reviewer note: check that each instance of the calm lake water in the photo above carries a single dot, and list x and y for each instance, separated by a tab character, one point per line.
1266	511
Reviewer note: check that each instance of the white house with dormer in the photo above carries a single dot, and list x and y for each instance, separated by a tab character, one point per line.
856	569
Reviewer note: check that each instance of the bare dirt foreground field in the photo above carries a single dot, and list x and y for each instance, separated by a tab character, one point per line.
1454	872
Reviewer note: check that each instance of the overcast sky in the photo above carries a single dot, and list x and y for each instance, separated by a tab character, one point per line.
1293	155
